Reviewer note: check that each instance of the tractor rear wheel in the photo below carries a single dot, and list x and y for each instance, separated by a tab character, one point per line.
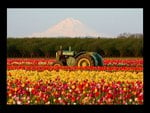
84	60
57	63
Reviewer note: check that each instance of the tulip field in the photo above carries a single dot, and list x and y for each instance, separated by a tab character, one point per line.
32	81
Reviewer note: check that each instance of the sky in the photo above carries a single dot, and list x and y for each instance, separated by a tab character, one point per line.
22	22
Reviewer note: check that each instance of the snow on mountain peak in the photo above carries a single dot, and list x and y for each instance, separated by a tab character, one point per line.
71	20
68	27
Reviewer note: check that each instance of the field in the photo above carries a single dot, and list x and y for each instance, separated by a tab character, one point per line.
35	81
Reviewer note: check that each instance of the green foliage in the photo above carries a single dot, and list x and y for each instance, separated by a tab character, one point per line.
47	47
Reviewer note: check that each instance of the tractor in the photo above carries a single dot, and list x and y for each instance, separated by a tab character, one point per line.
73	58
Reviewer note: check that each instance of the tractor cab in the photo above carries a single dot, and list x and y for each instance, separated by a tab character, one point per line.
68	53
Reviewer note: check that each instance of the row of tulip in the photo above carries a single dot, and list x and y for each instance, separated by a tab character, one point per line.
74	87
29	61
107	62
76	75
124	62
72	68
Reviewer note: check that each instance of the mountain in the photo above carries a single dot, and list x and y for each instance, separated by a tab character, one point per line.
68	27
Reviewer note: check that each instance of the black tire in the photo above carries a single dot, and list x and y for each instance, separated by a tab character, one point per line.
84	60
57	63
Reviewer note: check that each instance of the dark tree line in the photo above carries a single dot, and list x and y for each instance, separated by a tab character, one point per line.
47	47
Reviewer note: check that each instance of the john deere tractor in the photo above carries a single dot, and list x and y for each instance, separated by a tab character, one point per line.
72	58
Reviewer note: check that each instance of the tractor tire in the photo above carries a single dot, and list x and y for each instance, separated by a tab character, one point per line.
84	60
57	63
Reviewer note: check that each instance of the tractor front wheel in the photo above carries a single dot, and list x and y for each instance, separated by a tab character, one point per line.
84	60
57	63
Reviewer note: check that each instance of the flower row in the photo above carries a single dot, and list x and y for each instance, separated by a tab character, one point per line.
107	62
72	68
66	76
29	61
124	62
76	87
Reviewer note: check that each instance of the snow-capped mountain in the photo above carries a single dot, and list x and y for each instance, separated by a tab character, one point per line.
68	27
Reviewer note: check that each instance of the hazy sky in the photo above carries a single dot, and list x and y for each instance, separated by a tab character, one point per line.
22	22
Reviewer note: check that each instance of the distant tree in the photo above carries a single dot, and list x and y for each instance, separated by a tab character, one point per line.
12	51
47	47
130	35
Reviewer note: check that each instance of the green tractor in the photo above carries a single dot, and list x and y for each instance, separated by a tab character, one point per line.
72	58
